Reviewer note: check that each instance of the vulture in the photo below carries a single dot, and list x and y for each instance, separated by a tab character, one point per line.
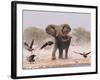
46	44
29	47
83	54
31	58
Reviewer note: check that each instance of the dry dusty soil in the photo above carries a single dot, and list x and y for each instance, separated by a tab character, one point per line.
43	58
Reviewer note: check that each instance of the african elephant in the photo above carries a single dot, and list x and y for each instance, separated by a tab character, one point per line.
62	39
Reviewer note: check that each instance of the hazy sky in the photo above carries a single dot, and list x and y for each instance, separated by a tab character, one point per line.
42	18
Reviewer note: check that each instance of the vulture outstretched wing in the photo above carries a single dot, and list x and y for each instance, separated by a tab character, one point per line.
88	53
78	53
26	44
31	43
46	44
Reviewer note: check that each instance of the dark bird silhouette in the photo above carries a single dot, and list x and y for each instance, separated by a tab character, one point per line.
31	58
46	44
83	54
29	47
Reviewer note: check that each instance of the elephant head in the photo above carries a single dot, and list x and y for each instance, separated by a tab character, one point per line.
62	39
59	32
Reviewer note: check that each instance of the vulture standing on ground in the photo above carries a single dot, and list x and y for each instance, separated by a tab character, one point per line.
31	58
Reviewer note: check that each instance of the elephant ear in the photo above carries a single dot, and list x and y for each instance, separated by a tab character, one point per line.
50	29
65	28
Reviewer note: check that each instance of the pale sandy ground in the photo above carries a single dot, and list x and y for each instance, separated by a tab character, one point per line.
43	58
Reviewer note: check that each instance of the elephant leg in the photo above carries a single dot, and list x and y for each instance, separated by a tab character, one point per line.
53	53
60	53
66	50
66	53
